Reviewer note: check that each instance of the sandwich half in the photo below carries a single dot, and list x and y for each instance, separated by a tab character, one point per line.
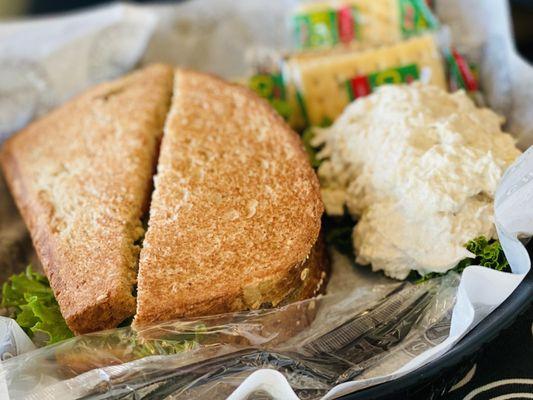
82	177
235	215
234	220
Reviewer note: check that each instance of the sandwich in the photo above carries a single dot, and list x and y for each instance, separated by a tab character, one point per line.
81	177
233	223
236	209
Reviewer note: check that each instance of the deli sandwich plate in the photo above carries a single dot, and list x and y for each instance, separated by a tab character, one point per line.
294	199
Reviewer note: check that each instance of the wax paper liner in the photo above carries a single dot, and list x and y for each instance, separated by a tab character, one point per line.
42	62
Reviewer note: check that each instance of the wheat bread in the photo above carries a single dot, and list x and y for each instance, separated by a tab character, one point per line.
81	177
236	208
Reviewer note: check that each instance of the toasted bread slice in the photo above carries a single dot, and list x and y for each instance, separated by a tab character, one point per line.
81	177
313	276
236	208
282	326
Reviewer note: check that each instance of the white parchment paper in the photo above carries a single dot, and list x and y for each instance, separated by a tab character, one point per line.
45	61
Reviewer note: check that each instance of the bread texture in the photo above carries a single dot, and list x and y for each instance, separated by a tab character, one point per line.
236	208
314	275
279	326
82	177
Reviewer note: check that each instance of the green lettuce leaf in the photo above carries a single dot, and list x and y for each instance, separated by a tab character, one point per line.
307	137
32	304
488	253
13	291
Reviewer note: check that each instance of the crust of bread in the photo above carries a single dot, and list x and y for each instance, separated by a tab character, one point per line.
81	177
278	326
236	208
314	275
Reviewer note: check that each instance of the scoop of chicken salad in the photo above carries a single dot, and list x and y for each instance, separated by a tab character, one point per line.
418	168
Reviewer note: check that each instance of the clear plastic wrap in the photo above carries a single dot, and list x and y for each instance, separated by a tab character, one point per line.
316	344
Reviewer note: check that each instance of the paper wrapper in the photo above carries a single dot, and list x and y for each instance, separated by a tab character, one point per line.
392	328
43	62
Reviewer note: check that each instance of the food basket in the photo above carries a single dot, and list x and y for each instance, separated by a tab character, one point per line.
433	328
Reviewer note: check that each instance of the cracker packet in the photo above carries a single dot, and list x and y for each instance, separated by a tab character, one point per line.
327	23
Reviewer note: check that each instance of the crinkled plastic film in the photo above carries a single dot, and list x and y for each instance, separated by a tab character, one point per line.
316	344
